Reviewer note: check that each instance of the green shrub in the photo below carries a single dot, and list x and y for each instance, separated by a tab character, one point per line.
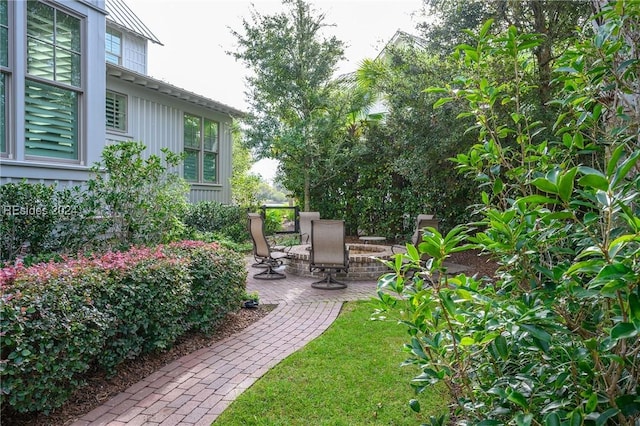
149	296
211	216
38	219
61	319
141	201
273	220
51	334
27	217
555	338
223	240
218	280
129	200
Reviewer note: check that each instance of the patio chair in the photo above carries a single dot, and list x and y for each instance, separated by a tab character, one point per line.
422	221
305	225
265	256
329	252
259	261
427	221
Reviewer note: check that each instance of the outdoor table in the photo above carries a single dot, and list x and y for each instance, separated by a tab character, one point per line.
368	239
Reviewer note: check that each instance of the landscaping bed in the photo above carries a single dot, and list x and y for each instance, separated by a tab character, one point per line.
64	320
100	388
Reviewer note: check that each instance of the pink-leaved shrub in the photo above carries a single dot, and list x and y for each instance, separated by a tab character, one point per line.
59	320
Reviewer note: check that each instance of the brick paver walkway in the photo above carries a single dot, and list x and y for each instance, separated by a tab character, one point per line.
195	389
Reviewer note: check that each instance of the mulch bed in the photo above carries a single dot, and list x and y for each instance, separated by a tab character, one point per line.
99	388
478	264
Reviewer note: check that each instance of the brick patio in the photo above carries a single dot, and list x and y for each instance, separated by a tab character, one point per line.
195	389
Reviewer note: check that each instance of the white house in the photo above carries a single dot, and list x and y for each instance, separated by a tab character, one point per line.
74	78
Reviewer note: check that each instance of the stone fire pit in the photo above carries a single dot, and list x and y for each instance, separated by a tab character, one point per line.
362	265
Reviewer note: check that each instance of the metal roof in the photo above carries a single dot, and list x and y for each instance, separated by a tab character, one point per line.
402	38
120	14
162	87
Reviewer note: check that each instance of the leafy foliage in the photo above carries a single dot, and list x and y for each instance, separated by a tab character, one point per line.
36	219
220	219
60	319
20	224
129	200
217	283
389	170
244	185
291	85
554	339
142	202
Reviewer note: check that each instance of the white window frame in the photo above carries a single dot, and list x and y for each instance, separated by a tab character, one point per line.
116	119
109	52
201	150
33	127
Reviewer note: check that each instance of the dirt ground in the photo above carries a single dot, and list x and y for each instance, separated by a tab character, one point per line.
99	388
481	265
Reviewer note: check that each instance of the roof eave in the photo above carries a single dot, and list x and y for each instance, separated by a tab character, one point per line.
167	89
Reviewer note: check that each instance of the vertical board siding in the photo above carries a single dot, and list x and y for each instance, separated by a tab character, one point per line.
134	53
198	195
158	126
59	184
155	125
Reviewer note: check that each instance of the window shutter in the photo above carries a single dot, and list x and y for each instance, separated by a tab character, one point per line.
51	126
116	111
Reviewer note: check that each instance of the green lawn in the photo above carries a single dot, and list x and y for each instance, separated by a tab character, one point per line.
350	375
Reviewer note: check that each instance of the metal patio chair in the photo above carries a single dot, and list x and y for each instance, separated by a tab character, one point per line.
329	252
305	219
422	221
266	257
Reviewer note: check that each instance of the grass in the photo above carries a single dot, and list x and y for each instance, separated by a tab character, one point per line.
350	375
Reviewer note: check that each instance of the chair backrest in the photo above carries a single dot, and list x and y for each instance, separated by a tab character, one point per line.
305	225
328	246
423	221
249	216
256	228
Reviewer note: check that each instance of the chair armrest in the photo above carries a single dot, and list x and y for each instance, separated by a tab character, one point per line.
274	246
398	249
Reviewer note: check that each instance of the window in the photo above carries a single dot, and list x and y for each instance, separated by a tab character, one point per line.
4	33
51	126
113	45
53	44
53	85
3	114
116	111
4	64
201	149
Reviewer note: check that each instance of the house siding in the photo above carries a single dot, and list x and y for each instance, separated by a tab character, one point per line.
157	121
48	174
15	167
134	53
155	109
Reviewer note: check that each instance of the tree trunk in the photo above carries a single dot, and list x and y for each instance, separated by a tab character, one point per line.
307	190
543	52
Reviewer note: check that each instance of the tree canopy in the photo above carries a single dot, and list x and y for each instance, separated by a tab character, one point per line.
290	89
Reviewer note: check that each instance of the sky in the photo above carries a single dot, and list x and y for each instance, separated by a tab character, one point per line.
196	34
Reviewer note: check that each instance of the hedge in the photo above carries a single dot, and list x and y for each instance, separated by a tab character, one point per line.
58	320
